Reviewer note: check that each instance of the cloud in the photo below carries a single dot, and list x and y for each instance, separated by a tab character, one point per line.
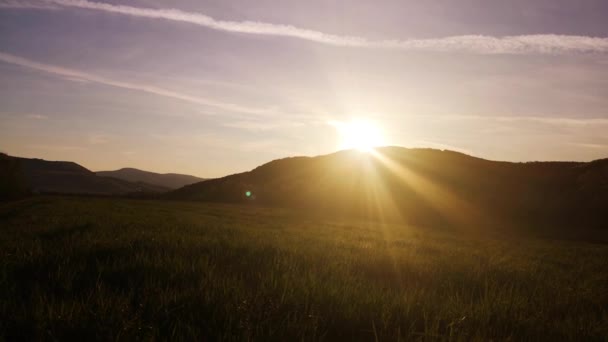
25	4
36	117
522	44
256	126
560	121
71	74
56	148
98	139
591	146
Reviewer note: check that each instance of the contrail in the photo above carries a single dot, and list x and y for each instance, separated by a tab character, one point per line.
522	44
26	4
76	75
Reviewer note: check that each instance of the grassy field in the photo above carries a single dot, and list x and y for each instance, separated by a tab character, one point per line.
109	269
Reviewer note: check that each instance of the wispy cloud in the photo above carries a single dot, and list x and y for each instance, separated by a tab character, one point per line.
522	44
98	139
560	121
25	4
56	148
591	146
71	74
36	117
266	125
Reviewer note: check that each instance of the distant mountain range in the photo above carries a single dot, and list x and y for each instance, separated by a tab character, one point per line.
421	185
166	180
24	175
416	185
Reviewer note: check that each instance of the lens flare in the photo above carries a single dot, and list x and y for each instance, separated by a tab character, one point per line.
362	135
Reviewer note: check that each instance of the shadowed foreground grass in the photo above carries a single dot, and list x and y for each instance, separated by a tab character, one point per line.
106	269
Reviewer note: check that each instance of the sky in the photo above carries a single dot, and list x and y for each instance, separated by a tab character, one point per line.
212	88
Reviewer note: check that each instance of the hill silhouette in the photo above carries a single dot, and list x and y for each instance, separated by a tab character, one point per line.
422	186
166	180
12	180
24	175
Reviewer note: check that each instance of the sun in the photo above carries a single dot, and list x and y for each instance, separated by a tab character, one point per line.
362	135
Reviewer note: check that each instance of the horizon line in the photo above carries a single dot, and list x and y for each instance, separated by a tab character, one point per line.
352	150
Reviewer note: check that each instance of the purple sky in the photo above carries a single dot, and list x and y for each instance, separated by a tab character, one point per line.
216	87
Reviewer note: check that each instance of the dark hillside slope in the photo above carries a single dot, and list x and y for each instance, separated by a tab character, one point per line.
12	181
422	185
166	180
42	176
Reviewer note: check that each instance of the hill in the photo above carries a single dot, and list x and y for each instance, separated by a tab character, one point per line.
165	180
422	186
42	176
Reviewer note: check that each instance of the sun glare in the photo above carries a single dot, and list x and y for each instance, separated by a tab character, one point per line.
359	134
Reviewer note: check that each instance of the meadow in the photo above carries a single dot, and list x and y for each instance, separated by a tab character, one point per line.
119	269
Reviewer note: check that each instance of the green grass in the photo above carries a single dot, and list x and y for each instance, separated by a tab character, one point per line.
109	269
